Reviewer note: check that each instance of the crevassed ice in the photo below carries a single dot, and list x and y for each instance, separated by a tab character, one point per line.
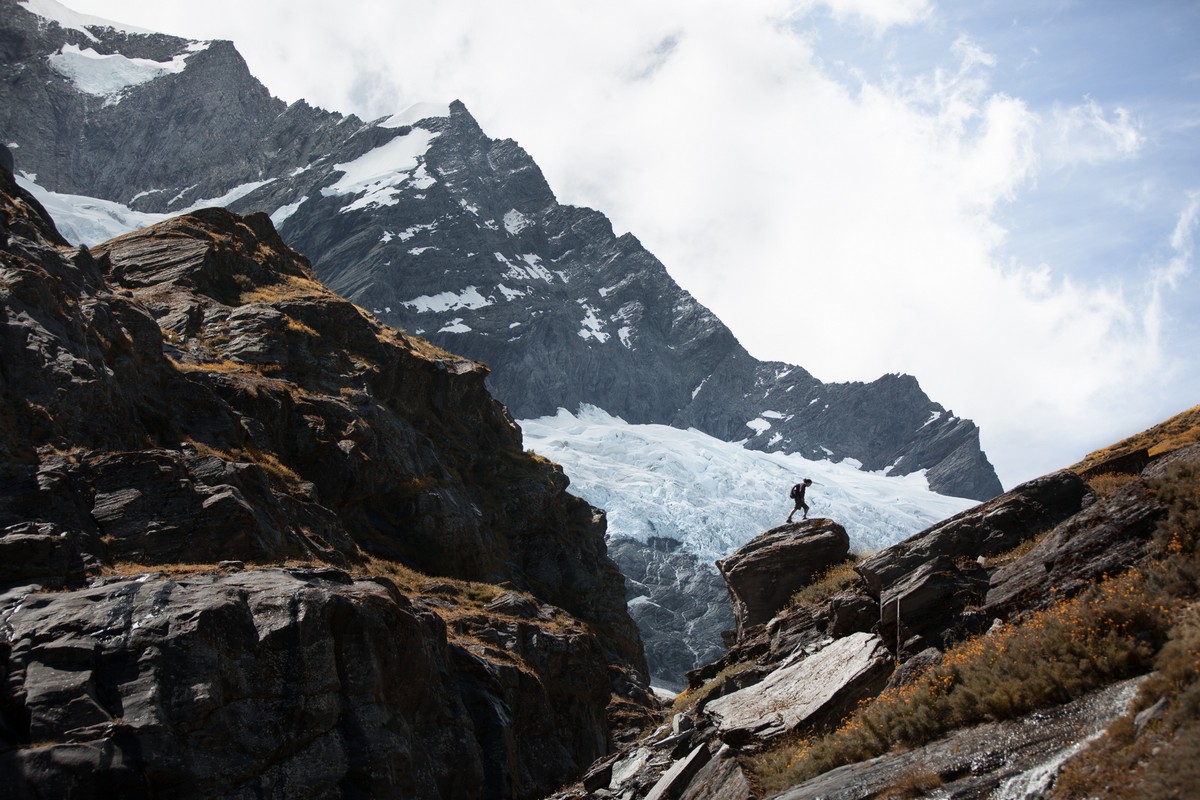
714	496
87	220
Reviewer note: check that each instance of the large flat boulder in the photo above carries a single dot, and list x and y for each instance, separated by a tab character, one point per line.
763	575
811	693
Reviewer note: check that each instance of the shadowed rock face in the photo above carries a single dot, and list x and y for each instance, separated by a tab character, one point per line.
764	574
189	394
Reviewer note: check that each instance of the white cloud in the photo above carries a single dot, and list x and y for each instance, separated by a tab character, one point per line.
880	14
1085	134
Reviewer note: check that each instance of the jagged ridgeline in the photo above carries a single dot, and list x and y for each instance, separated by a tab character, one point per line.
255	543
447	233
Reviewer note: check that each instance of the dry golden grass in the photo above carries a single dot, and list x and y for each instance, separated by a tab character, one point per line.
223	366
291	287
252	455
689	698
296	326
1053	656
1179	431
833	580
1106	483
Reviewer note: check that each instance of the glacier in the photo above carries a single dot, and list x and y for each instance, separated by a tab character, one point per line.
715	496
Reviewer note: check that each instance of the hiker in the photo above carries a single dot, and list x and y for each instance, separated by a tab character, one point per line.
797	494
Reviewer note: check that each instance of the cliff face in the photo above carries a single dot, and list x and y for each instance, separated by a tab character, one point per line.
251	540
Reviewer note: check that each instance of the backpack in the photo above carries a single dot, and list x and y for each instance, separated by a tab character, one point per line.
795	492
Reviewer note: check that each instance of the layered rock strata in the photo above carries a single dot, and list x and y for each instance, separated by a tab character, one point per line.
250	540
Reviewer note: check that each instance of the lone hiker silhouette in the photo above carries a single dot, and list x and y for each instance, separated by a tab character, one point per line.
797	494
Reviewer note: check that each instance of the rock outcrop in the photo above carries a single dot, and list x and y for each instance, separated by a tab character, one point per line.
250	540
811	693
763	574
805	668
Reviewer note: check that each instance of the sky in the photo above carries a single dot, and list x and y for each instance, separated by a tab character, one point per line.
1001	198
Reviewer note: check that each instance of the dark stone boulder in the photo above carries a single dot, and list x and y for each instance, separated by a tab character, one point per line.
235	686
920	609
763	574
1108	537
984	530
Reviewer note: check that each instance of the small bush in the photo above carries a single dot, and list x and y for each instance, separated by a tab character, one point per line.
1108	482
690	698
833	580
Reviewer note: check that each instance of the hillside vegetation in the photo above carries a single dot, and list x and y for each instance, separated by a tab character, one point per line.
1177	432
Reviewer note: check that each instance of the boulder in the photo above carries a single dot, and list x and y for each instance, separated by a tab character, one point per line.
988	529
928	603
1105	538
673	782
812	693
722	778
763	574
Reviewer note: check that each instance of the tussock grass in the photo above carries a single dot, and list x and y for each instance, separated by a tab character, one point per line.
1103	635
1106	483
1179	431
690	698
833	580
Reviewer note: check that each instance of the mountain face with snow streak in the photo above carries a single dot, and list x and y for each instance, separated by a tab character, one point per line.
678	500
439	229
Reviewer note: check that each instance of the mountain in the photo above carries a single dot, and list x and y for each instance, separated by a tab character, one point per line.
252	541
1040	645
440	230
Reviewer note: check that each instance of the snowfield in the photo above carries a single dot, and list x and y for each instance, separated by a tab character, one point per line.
714	496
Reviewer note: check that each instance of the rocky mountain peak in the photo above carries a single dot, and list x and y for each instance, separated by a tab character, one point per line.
438	229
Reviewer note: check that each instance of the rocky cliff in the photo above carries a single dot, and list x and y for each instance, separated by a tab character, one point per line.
439	229
253	541
982	657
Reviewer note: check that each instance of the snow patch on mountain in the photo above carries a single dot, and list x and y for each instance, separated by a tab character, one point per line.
281	214
714	496
74	21
109	75
377	175
515	222
448	301
414	114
